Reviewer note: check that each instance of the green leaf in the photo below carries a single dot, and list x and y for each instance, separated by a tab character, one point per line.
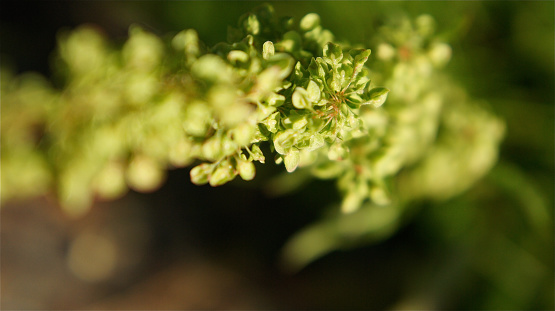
291	160
300	123
316	141
283	141
298	73
333	52
360	58
275	100
301	99
376	97
257	154
313	91
315	69
272	122
284	62
336	81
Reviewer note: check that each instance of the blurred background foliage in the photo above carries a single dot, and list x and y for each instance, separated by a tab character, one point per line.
184	246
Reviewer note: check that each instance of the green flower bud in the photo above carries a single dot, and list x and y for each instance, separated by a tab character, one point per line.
212	68
224	172
212	148
237	56
246	169
385	52
252	25
268	50
200	173
309	22
229	146
337	152
291	42
197	116
84	50
140	88
144	174
109	183
187	41
243	133
74	186
143	50
425	25
440	54
180	153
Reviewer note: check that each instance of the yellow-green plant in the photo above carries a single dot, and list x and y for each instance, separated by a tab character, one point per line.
388	126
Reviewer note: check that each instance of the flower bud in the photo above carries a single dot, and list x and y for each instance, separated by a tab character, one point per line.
212	148
246	169
109	183
223	173
243	133
199	174
268	49
309	22
337	152
144	174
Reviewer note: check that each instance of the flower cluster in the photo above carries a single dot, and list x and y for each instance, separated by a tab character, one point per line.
126	115
430	141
